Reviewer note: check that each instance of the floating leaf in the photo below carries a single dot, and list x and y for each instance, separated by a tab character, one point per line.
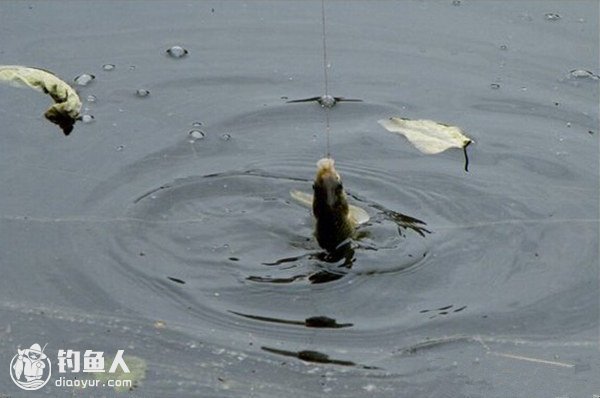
67	105
428	136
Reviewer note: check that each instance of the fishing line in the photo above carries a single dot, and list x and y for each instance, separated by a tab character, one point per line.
325	77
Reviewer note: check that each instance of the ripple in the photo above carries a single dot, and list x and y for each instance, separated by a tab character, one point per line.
225	247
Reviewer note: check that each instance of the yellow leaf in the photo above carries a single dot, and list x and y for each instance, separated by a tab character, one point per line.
67	105
426	135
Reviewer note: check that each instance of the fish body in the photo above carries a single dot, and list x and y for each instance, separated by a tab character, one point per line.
330	207
335	220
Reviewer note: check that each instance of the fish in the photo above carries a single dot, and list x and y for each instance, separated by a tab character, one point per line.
336	221
67	105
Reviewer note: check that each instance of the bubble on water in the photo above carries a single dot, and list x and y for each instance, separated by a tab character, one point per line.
494	86
523	88
120	148
327	101
196	135
91	98
455	2
87	119
196	124
226	137
569	124
504	47
583	74
177	52
551	16
108	67
131	67
142	92
84	79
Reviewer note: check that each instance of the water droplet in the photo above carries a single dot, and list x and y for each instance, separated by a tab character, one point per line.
504	47
583	74
87	119
120	148
108	67
196	135
131	67
226	137
177	52
455	2
142	93
569	124
551	16
523	88
196	124
84	79
495	86
91	98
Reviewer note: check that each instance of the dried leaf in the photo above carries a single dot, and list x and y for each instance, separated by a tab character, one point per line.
67	105
426	135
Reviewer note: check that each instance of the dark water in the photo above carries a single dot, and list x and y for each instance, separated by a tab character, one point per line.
126	235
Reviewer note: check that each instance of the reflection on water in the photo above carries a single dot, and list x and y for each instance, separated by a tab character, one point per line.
312	322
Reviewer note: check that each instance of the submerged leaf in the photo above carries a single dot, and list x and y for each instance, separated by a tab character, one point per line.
426	135
67	105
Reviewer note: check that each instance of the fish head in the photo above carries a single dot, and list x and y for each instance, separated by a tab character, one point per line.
328	189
